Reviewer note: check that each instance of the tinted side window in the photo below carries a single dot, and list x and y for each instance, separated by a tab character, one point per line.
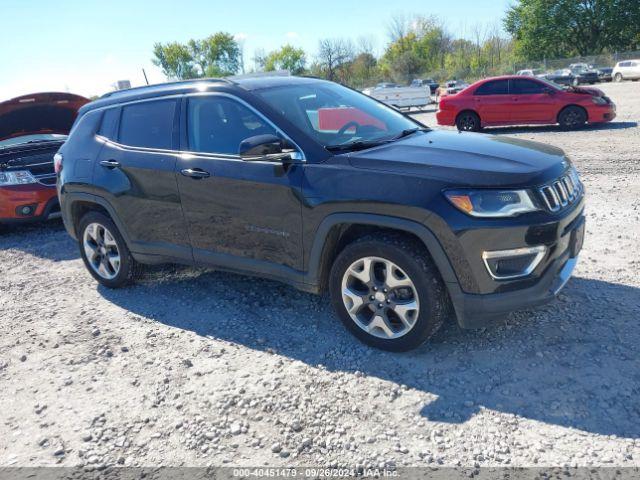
526	87
109	123
148	124
217	124
496	87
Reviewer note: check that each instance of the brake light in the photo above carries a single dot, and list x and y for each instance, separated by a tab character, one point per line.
57	162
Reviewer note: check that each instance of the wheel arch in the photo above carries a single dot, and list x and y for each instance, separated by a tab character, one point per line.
586	112
467	110
339	229
76	205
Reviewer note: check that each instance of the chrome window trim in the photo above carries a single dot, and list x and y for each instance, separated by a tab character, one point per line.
188	153
539	250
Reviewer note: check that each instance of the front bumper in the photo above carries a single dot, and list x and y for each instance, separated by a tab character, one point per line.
42	200
475	310
601	113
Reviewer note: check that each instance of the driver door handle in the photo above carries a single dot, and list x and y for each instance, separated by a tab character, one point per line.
196	173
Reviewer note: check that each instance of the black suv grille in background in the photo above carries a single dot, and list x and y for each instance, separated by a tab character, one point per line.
562	192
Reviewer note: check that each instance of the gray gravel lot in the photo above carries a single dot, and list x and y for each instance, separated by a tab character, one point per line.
193	367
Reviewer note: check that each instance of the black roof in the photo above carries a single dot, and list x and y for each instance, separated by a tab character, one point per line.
261	82
248	83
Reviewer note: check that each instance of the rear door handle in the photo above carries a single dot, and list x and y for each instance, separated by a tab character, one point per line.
196	173
110	163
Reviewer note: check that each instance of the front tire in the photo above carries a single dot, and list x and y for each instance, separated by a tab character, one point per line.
468	121
617	77
387	292
572	117
104	251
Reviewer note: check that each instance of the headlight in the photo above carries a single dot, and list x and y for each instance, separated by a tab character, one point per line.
492	203
599	100
20	177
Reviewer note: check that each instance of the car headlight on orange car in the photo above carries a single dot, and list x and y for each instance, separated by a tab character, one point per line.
20	177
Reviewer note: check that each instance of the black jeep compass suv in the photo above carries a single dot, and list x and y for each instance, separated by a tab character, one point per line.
311	183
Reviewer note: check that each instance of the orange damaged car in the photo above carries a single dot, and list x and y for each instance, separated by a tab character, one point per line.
32	128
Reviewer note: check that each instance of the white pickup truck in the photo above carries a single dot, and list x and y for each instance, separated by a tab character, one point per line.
400	97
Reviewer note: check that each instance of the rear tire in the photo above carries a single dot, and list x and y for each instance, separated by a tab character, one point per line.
617	77
404	302
104	251
572	117
468	121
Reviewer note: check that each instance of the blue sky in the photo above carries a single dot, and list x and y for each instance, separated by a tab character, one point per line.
85	46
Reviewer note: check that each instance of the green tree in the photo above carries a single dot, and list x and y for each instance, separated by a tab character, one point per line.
215	56
174	59
417	46
333	59
287	57
364	70
557	28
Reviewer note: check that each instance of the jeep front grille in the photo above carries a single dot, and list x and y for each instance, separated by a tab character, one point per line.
561	192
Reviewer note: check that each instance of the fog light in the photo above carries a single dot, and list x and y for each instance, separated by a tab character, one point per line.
26	210
516	263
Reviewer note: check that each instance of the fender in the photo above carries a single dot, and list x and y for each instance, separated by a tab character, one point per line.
422	232
69	198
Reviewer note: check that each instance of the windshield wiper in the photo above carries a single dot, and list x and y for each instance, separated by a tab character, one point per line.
357	145
42	141
410	131
362	144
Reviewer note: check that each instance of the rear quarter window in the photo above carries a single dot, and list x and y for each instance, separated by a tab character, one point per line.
85	126
148	124
109	123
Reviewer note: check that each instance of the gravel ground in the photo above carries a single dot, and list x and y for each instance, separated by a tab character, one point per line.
194	367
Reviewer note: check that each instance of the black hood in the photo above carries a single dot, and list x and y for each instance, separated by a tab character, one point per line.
467	159
38	113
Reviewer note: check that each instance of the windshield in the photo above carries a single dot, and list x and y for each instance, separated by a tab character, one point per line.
551	83
335	115
35	138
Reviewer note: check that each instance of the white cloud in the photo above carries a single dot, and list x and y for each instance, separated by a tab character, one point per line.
240	36
292	35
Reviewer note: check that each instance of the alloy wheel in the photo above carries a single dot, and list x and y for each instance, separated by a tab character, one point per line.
101	250
380	297
572	118
468	123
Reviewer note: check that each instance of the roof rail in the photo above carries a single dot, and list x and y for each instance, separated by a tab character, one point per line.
273	73
176	82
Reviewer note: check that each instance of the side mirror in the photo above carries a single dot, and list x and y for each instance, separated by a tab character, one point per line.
549	91
267	148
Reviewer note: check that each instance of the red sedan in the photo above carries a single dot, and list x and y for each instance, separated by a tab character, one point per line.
517	100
